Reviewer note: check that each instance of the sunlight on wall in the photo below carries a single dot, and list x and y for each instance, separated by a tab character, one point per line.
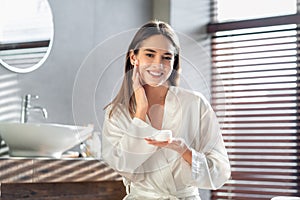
10	104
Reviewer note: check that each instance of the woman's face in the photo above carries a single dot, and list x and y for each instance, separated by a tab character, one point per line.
155	60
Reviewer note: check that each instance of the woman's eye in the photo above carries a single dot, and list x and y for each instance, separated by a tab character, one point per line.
149	55
168	58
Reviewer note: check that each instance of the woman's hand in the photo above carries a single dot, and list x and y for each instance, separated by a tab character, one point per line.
140	95
176	144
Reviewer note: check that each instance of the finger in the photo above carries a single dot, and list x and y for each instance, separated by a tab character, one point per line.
136	63
155	142
142	83
134	73
136	82
150	139
158	145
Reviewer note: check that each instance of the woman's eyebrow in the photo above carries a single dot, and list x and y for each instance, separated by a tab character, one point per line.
153	51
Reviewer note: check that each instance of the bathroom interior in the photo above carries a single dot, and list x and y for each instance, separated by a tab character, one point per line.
51	109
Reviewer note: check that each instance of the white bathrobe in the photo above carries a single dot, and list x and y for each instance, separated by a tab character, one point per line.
159	173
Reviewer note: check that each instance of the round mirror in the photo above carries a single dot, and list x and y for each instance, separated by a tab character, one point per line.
26	34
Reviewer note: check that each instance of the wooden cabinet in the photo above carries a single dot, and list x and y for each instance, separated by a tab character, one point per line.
41	179
102	190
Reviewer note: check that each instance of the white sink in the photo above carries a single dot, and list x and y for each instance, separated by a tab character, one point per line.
42	140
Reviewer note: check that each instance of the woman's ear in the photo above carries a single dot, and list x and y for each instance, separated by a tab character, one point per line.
132	57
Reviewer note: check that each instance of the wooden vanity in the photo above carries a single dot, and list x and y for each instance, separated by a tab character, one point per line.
72	179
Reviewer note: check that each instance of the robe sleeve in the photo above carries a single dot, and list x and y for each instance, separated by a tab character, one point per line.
123	145
210	167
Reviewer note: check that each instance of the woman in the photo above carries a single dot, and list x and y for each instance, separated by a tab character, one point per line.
150	100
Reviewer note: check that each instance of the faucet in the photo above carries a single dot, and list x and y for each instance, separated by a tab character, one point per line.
26	107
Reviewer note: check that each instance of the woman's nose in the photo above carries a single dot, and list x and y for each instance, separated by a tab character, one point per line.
157	65
158	62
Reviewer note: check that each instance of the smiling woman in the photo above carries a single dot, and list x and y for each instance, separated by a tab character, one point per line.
164	140
26	34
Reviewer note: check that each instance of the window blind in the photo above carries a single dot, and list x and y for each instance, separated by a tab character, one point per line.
255	94
25	54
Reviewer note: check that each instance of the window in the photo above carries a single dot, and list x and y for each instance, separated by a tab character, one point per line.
255	93
231	10
26	33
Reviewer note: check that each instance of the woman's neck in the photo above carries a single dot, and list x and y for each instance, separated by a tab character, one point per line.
156	95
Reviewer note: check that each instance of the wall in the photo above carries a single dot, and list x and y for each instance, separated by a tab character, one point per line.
89	37
79	27
189	18
87	58
99	74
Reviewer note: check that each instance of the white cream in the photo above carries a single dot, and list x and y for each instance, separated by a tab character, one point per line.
163	135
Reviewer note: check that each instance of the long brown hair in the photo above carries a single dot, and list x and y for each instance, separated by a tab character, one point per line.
125	95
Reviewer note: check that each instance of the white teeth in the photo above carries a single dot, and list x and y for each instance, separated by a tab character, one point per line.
155	73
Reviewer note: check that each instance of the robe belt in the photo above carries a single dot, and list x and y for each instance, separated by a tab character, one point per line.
187	192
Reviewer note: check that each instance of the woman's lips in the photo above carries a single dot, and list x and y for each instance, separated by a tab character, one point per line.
155	73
